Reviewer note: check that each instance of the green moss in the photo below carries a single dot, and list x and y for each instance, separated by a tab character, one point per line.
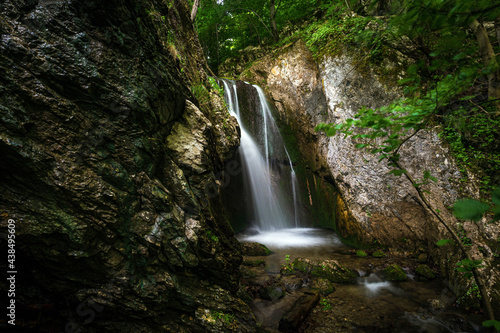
395	273
302	265
255	249
378	254
334	272
425	271
361	253
253	263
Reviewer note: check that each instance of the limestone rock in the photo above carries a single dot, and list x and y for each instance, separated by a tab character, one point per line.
107	155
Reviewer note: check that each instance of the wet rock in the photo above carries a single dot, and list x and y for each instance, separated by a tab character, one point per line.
272	290
255	249
108	164
333	271
302	265
246	273
425	272
394	273
436	304
292	283
323	286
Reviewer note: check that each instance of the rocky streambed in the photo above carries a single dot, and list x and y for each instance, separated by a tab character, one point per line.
330	287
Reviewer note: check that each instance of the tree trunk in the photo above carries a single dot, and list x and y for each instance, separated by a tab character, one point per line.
489	60
274	27
194	11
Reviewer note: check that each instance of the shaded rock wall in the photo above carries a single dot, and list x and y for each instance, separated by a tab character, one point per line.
373	206
110	138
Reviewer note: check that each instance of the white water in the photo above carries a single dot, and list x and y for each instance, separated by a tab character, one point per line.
270	210
293	238
373	285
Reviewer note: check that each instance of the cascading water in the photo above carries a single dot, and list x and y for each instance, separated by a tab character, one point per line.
271	210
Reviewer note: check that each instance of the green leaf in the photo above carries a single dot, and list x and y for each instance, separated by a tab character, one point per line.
496	212
360	145
495	196
469	209
492	323
398	172
443	242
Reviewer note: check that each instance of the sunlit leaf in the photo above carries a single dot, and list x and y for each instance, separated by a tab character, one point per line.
469	209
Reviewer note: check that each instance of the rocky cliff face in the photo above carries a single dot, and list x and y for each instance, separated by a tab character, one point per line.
372	205
110	136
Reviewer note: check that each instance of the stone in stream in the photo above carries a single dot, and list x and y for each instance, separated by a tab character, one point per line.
299	311
328	269
272	289
255	249
395	273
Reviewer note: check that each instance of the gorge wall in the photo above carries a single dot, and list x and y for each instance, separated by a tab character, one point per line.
372	206
110	135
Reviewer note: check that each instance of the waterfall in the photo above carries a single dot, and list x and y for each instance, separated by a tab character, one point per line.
272	208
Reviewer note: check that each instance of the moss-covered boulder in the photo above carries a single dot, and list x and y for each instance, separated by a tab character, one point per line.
323	286
302	265
255	249
333	271
378	254
395	273
425	272
361	253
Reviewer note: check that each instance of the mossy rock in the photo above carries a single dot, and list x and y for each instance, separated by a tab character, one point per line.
287	270
243	295
378	254
255	249
361	253
333	271
253	263
302	265
323	286
425	271
395	273
246	273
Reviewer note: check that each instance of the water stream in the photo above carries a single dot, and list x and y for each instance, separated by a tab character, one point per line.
272	208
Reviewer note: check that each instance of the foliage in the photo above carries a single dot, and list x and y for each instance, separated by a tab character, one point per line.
492	323
469	209
326	304
225	27
227	318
